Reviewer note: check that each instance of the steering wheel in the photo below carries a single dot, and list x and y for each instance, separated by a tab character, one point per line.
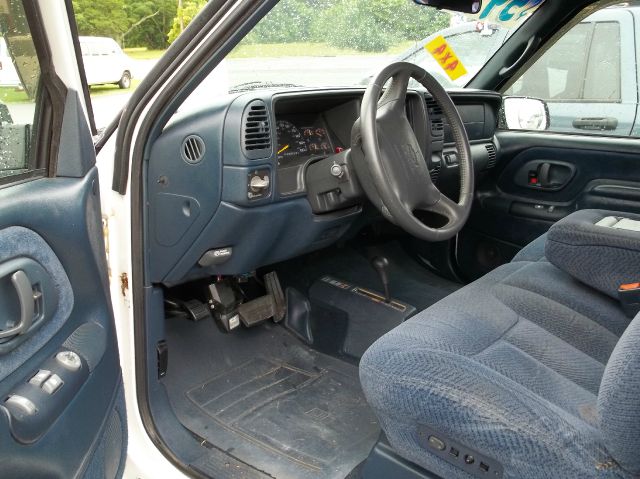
390	164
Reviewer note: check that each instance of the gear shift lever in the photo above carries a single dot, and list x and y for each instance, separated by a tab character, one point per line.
381	265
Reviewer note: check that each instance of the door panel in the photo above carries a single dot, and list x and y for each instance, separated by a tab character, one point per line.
56	224
62	411
511	211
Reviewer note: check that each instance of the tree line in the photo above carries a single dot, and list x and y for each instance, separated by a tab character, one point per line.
365	25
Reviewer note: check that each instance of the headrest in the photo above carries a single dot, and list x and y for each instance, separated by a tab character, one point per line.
598	248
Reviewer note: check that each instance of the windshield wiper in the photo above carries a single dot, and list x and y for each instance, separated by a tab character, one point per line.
256	85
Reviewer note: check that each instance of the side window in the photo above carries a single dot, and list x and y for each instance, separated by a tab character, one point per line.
19	83
602	78
588	78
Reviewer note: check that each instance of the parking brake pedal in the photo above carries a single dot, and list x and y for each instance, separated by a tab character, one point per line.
196	310
272	305
193	309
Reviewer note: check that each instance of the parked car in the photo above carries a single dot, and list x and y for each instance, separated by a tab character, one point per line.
105	62
8	74
607	99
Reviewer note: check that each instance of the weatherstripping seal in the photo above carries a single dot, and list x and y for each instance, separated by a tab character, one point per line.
83	74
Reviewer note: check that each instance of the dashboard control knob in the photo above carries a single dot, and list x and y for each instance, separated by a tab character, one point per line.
258	183
337	170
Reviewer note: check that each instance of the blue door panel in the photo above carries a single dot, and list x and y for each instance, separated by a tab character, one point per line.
80	429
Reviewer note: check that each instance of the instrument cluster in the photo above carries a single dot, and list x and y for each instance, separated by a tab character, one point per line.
299	141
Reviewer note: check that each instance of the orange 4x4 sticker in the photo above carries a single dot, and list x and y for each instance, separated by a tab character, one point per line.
446	57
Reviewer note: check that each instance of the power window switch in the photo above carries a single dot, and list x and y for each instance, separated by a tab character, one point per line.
52	384
40	377
69	360
22	404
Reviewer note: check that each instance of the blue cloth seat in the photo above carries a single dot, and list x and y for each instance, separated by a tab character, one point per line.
523	366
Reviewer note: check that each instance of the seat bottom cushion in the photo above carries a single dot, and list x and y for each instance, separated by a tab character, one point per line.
509	366
534	251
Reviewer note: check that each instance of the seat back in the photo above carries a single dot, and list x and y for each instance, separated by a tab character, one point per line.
619	400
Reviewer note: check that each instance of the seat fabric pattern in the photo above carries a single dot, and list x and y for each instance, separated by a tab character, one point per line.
509	366
534	251
619	401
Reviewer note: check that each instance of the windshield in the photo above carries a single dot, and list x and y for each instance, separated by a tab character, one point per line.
342	43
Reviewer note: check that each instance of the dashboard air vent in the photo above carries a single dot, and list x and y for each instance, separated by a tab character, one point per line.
433	108
193	149
434	112
256	130
491	151
435	173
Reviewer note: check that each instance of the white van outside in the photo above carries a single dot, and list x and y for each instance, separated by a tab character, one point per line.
8	74
105	62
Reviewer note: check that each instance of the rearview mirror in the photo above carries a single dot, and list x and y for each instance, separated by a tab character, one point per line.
521	113
465	6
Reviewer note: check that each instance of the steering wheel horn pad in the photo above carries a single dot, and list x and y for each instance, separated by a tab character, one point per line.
389	161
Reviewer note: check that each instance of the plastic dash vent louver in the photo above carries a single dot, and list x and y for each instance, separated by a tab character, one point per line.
491	151
433	108
256	130
193	149
435	173
434	112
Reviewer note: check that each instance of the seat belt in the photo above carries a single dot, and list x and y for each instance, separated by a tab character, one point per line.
629	297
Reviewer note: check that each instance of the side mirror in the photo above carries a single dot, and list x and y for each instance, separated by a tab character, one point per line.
522	113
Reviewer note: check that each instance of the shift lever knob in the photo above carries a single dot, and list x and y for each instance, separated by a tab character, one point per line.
381	265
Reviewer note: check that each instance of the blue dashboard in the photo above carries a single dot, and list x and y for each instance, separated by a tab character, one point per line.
226	185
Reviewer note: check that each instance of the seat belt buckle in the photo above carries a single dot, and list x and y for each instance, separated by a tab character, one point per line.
629	297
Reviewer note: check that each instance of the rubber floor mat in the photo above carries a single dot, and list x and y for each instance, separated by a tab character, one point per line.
270	401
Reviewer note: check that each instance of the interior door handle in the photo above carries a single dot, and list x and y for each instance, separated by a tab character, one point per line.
23	287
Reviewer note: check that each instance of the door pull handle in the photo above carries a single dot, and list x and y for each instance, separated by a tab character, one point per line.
27	299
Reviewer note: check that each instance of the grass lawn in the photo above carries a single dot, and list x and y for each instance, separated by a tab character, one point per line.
13	95
143	53
9	94
276	50
101	90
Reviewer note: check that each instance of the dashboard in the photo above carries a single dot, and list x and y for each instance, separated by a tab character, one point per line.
249	174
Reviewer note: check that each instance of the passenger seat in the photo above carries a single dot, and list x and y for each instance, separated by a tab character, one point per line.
532	371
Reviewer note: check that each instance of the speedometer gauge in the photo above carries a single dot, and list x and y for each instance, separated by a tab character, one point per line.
291	143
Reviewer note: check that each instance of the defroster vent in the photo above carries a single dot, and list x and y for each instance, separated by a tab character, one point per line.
256	130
